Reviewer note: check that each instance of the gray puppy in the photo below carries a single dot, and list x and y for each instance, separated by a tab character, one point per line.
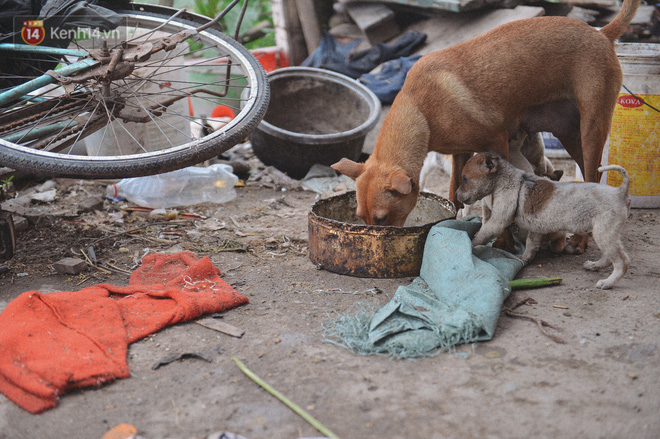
541	206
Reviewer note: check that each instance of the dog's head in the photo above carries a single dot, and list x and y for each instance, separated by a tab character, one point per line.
385	194
478	177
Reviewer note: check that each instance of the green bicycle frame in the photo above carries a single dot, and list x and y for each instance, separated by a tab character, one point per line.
16	93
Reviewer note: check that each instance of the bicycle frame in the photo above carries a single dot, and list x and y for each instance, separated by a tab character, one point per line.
17	93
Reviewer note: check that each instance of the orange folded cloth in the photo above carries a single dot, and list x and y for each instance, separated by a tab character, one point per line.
50	343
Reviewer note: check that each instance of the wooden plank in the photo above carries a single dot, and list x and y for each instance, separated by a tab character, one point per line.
376	21
583	14
599	4
643	16
439	5
295	41
447	29
310	24
220	326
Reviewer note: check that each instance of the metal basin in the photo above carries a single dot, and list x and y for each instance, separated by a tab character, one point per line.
314	116
340	242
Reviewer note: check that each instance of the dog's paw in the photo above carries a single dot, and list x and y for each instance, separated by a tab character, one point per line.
526	259
596	265
603	284
591	266
478	240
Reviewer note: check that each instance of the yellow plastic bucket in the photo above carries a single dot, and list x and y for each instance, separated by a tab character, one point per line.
634	141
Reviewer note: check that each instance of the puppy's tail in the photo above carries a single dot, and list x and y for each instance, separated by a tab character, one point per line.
625	184
616	27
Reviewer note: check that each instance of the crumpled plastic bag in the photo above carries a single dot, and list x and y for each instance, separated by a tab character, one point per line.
323	179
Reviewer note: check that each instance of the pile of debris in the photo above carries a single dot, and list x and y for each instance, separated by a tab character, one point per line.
446	22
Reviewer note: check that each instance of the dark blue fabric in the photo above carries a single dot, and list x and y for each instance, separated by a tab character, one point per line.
330	52
335	56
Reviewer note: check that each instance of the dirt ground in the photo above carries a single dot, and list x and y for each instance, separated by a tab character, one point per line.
603	382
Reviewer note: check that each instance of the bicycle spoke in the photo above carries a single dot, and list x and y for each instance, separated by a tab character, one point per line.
59	140
151	116
115	137
84	130
139	112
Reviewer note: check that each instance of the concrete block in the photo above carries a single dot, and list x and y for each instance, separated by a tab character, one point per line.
69	266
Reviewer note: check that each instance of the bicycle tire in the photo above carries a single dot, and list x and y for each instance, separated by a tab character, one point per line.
253	105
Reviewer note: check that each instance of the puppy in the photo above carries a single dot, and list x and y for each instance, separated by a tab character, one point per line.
468	97
527	152
541	206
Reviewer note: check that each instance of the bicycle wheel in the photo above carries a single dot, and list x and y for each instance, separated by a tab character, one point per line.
145	120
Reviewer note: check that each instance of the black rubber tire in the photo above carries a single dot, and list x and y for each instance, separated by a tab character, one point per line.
49	164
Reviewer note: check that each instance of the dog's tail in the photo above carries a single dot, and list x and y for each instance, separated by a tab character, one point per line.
616	27
625	184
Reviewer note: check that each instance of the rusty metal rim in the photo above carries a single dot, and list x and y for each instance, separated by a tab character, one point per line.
374	229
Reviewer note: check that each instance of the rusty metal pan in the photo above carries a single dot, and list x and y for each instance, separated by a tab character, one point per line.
340	242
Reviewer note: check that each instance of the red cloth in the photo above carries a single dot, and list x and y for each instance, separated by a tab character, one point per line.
50	343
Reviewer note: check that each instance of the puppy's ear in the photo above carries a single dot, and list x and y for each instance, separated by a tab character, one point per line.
556	176
349	168
401	183
491	163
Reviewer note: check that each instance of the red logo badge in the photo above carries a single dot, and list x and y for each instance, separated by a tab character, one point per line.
629	101
33	32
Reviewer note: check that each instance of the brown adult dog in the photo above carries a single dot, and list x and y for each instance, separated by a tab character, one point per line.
552	74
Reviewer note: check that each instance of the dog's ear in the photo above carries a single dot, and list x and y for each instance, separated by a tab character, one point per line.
349	168
556	176
401	183
491	163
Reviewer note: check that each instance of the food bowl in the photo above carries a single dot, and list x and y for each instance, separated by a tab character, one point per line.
340	242
314	116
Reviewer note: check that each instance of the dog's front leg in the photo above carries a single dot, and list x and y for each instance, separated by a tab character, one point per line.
458	162
532	246
490	230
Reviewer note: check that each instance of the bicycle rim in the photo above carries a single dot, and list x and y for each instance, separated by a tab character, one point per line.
128	127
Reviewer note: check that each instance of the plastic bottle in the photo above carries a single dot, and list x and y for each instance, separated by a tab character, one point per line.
184	187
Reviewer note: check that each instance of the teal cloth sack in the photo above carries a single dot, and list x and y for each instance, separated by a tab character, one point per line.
456	299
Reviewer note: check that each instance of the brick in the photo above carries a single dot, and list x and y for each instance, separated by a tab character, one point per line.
69	266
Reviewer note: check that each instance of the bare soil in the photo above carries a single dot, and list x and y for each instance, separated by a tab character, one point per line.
603	382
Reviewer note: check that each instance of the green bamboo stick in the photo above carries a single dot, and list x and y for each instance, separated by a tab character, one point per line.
523	284
292	405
